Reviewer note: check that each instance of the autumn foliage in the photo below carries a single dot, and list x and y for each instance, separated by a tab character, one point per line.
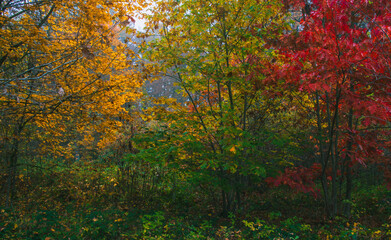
340	57
65	77
234	119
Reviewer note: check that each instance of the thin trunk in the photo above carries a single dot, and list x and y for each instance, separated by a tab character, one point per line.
238	176
225	209
322	160
332	121
348	160
11	178
238	199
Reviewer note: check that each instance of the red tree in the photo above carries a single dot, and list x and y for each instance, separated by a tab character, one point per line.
341	57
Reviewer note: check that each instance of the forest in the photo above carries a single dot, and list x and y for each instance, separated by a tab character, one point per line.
195	119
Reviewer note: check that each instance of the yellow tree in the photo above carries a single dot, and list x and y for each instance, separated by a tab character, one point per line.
208	47
61	64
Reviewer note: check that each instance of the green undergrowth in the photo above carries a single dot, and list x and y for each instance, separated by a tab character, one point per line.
90	202
90	223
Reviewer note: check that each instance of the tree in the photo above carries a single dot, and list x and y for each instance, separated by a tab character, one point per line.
62	67
341	58
207	48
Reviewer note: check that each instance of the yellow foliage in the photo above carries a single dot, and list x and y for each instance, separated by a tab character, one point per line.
63	71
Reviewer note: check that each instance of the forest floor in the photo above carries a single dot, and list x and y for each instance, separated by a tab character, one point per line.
91	202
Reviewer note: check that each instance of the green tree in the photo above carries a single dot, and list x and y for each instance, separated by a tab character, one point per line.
207	47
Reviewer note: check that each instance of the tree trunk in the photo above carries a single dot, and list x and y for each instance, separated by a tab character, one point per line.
11	178
348	159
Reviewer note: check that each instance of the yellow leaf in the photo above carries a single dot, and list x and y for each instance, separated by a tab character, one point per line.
233	150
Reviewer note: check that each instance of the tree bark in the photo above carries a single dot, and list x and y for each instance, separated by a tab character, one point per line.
11	178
